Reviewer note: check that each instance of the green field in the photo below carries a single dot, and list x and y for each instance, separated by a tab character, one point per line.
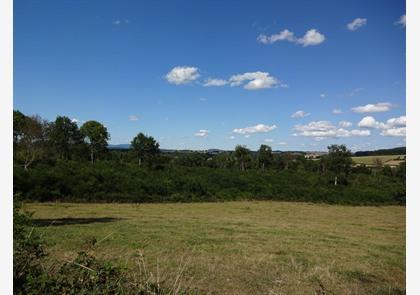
369	160
239	247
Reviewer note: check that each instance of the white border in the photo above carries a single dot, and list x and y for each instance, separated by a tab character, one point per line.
6	146
413	147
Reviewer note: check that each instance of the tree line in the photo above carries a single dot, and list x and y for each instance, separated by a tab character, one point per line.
58	160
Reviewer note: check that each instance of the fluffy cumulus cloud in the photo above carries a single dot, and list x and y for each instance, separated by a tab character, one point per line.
299	114
250	80
215	82
337	111
133	118
254	80
324	129
259	128
182	75
356	24
202	133
401	21
368	122
392	127
373	108
311	37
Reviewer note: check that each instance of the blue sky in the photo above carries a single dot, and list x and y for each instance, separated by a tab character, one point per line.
214	74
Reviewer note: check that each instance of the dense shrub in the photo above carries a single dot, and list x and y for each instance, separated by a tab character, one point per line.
108	181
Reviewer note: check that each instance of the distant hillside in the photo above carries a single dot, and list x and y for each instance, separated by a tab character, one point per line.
382	152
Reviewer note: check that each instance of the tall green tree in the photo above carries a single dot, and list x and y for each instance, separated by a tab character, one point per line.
338	161
242	155
64	136
29	135
265	156
96	136
145	147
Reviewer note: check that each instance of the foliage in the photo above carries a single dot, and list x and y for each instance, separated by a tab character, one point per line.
96	136
145	147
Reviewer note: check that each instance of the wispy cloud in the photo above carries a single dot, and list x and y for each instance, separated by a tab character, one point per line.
133	118
312	37
182	75
323	95
202	133
120	21
373	108
357	24
215	82
337	111
268	140
299	114
259	128
345	124
324	129
401	22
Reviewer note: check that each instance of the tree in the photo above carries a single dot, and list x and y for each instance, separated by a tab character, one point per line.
265	155
96	136
64	135
145	147
242	155
338	161
19	120
29	134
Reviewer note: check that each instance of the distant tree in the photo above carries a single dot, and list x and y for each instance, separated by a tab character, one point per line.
29	136
145	147
265	156
19	120
338	161
242	154
287	159
377	165
96	136
64	135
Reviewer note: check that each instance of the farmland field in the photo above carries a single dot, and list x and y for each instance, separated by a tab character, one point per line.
239	247
369	160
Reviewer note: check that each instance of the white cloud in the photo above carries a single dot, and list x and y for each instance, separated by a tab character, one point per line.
202	133
119	21
355	91
182	75
202	99
133	118
392	127
269	140
337	111
401	21
356	24
215	82
247	136
323	95
231	137
257	80
324	129
259	128
368	122
282	143
373	108
299	114
345	124
283	35
75	120
311	37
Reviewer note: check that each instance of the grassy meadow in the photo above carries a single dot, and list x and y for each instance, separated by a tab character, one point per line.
370	160
238	247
